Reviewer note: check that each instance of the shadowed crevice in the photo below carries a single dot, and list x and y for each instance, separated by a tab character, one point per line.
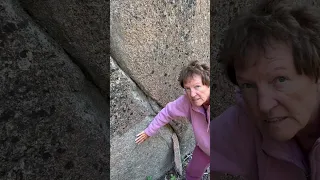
152	103
86	72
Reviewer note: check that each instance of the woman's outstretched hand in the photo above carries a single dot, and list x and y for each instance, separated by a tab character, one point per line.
141	137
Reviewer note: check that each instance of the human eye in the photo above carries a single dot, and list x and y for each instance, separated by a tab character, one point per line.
187	89
197	87
281	79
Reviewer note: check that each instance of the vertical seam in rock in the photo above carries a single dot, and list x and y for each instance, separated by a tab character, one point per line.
147	97
127	73
138	86
81	67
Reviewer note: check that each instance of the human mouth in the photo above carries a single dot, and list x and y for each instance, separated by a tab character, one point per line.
274	120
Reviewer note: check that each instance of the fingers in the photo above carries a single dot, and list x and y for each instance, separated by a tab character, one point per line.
141	137
139	141
142	132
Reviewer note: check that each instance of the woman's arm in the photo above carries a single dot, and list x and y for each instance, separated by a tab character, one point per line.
178	108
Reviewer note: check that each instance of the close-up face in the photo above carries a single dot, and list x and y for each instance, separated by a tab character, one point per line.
197	92
280	101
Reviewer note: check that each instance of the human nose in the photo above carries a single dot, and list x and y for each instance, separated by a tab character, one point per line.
193	92
266	101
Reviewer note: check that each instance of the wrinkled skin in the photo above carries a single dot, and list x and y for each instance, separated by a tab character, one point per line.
282	103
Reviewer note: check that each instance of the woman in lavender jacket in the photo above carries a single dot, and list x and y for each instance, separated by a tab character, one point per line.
272	53
195	106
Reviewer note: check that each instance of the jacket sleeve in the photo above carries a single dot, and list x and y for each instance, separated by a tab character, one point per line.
178	108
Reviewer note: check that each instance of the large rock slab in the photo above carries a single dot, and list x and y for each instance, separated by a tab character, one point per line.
52	119
128	105
82	29
131	112
152	158
152	40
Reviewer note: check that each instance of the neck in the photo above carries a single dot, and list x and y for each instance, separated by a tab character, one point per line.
206	104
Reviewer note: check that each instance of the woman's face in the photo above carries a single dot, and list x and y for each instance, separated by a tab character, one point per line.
197	92
280	101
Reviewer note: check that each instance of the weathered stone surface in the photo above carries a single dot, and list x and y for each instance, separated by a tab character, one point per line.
130	114
153	158
184	131
52	120
82	29
128	105
152	40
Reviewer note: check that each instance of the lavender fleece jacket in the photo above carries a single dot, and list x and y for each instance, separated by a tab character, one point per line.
181	107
